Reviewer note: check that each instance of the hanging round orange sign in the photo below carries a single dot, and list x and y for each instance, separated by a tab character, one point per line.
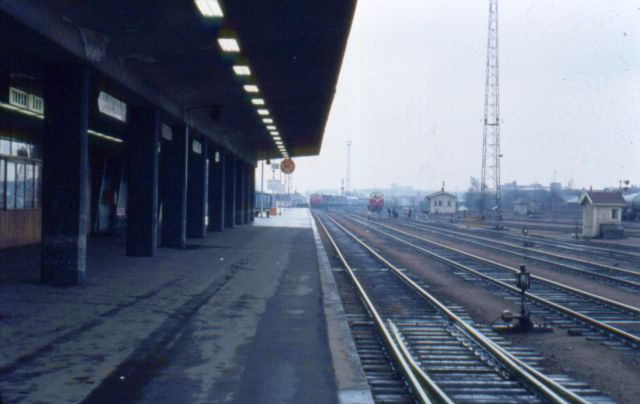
287	166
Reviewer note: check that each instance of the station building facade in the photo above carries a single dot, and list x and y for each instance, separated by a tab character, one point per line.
182	193
139	121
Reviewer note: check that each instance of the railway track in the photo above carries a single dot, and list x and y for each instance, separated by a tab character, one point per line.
440	354
627	254
567	227
611	274
613	323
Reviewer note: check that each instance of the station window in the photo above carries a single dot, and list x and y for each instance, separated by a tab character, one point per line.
10	192
20	186
448	203
2	182
614	213
20	172
5	144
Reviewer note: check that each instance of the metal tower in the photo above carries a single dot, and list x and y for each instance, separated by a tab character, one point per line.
348	181
490	183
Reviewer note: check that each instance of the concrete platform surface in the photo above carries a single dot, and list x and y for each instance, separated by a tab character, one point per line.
237	317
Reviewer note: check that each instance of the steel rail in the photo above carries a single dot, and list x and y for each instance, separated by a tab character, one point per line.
546	387
580	247
550	254
483	242
613	330
414	379
589	295
433	386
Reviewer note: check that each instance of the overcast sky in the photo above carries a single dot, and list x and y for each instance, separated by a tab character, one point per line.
411	94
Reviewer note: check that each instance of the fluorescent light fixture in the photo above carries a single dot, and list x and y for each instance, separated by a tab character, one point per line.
257	101
277	138
279	143
267	120
263	111
251	88
271	127
103	136
209	8
21	110
242	70
229	44
274	133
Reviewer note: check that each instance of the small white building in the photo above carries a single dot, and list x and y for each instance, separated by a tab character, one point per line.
526	207
600	209
441	203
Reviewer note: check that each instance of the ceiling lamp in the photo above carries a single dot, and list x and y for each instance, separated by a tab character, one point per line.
241	70
209	8
229	45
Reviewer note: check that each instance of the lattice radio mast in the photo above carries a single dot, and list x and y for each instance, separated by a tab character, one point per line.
490	185
348	181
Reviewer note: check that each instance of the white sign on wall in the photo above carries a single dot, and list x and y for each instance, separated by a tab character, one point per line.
112	107
197	147
166	132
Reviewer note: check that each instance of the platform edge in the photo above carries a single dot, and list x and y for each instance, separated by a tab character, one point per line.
350	378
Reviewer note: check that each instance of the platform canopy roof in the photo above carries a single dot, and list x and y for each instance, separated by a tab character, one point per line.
168	53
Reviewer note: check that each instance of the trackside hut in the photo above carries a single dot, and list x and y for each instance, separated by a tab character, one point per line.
600	209
441	203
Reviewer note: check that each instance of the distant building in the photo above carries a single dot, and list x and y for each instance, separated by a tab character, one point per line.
525	207
602	214
441	202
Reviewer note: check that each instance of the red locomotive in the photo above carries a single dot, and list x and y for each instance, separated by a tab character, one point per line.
376	202
315	200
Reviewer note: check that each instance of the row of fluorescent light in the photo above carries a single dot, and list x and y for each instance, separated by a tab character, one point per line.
229	44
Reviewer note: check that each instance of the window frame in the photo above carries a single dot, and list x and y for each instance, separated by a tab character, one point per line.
28	161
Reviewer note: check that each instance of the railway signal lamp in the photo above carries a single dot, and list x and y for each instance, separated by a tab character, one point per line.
523	279
525	233
523	282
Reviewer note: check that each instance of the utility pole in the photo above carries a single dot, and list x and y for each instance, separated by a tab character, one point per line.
348	181
262	188
490	182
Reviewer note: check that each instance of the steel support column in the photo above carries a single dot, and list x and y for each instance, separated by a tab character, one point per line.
216	190
142	173
65	175
240	208
229	190
252	193
245	193
197	189
174	210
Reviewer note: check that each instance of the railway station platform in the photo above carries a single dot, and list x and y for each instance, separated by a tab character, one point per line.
246	315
